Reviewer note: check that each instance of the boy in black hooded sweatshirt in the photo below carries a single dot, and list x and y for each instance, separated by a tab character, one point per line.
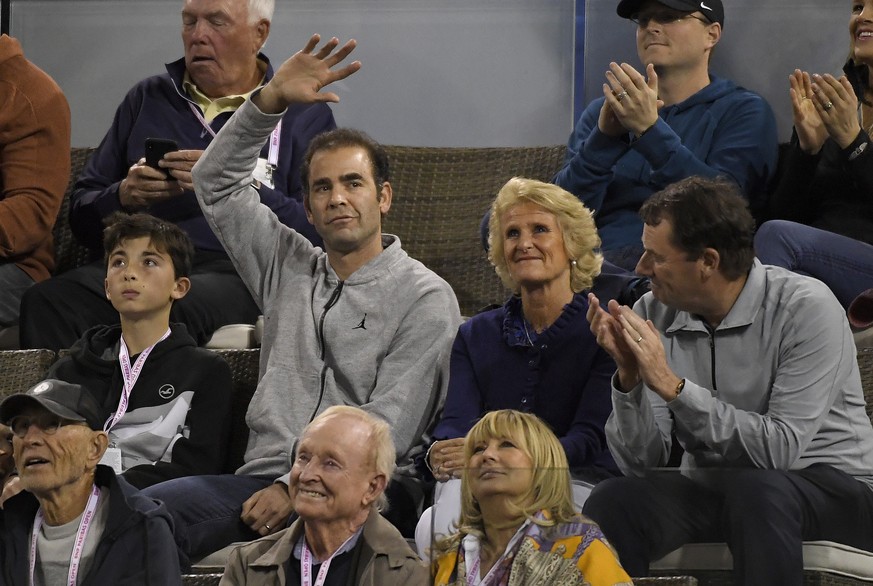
167	402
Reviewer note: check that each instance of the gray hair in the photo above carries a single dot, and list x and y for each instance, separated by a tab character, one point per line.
261	10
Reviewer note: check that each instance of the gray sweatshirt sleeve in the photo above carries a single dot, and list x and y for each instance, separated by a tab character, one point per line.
254	238
638	431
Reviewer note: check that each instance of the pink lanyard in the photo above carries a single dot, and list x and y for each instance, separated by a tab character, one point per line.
306	564
78	545
129	375
472	561
275	136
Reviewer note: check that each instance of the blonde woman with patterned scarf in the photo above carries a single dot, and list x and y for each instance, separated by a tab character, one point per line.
518	525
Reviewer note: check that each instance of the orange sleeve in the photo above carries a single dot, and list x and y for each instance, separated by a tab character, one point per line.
601	567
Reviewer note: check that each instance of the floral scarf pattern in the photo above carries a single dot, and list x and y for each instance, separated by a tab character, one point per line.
568	554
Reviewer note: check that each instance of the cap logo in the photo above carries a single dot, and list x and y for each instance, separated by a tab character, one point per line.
41	388
166	391
705	7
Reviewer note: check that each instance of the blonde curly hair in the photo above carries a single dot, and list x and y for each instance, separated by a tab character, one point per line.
581	241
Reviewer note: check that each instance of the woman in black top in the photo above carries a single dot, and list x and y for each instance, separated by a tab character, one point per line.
824	199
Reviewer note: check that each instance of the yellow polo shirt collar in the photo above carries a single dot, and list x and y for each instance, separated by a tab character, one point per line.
213	107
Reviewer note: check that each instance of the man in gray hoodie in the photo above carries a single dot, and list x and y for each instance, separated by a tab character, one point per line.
358	323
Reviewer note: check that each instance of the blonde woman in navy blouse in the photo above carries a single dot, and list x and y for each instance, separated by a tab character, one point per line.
536	353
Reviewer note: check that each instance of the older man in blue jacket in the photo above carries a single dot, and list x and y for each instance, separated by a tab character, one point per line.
189	104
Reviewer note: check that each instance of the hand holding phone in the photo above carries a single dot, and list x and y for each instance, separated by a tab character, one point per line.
141	188
156	148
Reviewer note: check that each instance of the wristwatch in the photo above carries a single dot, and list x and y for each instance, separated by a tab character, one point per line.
858	150
679	388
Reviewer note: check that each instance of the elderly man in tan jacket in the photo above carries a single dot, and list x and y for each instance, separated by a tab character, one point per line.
342	465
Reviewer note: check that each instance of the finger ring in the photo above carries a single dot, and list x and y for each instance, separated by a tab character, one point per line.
640	339
829	105
267	527
621	96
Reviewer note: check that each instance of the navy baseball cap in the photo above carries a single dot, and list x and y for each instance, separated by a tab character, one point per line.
67	400
713	10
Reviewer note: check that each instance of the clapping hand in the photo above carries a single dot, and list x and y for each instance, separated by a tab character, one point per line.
632	102
609	334
837	106
811	131
823	106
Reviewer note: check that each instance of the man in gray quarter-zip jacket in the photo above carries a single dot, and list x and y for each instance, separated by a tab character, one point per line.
358	323
752	369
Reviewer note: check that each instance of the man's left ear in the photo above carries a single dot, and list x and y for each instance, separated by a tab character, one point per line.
375	488
262	31
97	446
714	32
710	262
385	198
183	285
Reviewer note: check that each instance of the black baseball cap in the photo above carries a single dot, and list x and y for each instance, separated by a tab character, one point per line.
713	10
67	400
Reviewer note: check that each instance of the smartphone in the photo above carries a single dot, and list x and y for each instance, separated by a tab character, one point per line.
156	148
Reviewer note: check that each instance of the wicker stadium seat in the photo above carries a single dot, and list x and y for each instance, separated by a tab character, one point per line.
211	579
825	563
865	365
22	369
440	196
69	254
244	372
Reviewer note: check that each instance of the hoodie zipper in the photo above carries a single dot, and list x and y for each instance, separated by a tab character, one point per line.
334	297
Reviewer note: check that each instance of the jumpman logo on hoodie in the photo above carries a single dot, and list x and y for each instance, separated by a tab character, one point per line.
361	325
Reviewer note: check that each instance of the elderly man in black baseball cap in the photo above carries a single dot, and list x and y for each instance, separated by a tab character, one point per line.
75	522
671	120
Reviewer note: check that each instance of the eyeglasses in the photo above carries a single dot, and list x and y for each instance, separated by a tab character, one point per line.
48	422
663	18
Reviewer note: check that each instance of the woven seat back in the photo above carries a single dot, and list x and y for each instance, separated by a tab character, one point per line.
22	369
865	364
69	254
244	373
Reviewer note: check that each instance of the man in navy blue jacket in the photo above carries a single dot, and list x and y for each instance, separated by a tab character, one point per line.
189	104
672	121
